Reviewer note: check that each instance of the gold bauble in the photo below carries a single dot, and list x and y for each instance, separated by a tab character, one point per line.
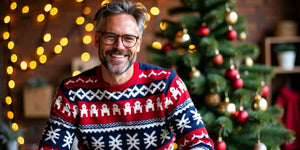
194	73
260	146
182	36
243	36
212	99
249	61
263	104
231	17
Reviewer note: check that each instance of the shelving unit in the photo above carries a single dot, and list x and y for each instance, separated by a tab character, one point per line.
269	41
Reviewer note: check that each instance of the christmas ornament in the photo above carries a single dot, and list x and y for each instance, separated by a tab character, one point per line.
231	17
203	30
230	108
263	104
220	144
249	61
194	73
231	34
242	116
182	36
237	83
265	91
217	59
260	146
232	72
167	47
243	36
212	99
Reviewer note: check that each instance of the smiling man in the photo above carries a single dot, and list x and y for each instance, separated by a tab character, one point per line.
123	104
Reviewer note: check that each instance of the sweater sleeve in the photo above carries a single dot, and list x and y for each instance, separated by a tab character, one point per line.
59	132
185	119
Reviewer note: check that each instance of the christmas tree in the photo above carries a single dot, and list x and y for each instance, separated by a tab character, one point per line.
228	88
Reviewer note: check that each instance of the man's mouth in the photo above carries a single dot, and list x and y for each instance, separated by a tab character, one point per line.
118	56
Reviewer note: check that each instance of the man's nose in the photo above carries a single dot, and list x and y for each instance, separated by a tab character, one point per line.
119	44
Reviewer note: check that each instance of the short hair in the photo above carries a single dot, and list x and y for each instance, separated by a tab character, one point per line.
138	11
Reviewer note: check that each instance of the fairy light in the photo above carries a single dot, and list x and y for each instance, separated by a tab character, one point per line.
86	10
6	35
13	5
11	84
87	39
15	126
8	100
32	65
154	11
21	140
64	41
89	27
10	115
23	65
104	2
80	20
47	7
25	9
85	56
13	58
148	16
163	25
11	45
40	50
6	19
79	1
47	37
53	11
43	59
58	49
157	45
75	73
40	18
9	70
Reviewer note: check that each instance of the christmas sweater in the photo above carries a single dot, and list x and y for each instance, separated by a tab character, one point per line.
150	111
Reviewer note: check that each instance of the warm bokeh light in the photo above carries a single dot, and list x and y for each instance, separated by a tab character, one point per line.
25	9
53	11
21	140
8	100
23	65
13	58
40	17
230	108
9	70
15	126
89	27
64	41
75	73
156	45
6	35
154	11
11	45
10	115
163	25
40	50
47	7
79	1
47	37
13	5
148	16
86	10
43	59
58	49
192	46
11	84
87	39
80	20
85	56
6	19
104	2
32	64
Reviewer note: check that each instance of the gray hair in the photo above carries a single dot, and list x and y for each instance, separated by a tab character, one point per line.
138	11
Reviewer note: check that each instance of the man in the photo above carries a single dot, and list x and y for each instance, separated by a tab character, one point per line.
123	104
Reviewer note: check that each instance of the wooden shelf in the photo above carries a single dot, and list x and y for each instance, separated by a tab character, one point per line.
279	70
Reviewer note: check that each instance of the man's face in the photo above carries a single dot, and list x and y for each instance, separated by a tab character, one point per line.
117	58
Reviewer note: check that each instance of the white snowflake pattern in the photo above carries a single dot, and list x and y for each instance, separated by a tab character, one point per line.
183	123
164	135
52	135
115	143
133	141
97	144
197	117
150	139
68	139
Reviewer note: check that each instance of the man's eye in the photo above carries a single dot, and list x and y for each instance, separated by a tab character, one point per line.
129	38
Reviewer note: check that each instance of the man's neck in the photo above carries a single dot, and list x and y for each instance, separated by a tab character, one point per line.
116	79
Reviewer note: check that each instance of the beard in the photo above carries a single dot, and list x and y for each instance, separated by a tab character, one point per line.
116	67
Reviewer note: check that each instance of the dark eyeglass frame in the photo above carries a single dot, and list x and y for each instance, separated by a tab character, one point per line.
116	39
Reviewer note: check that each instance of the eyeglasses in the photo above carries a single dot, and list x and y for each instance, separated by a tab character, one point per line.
110	38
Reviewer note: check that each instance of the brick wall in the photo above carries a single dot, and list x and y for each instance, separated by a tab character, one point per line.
261	15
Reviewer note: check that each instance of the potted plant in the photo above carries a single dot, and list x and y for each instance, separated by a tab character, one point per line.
9	137
286	55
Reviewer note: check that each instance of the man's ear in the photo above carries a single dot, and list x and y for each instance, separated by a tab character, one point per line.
97	39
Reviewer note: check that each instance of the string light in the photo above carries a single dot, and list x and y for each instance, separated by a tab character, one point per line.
11	84
8	100
154	11
75	73
6	19
32	65
163	25
40	50
25	9
10	115
80	20
47	37
157	45
23	65
47	7
10	45
89	27
13	58
85	56
9	70
58	49
53	11
5	35
40	18
13	5
21	140
86	10
87	39
63	41
43	59
15	126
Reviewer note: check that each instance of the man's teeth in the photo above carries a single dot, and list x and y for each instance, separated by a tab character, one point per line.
118	56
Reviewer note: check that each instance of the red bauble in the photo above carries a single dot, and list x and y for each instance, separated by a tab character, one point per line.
203	31
265	91
237	83
220	145
232	73
167	47
231	34
242	116
217	59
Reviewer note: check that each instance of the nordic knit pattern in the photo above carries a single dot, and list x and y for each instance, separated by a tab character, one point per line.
147	112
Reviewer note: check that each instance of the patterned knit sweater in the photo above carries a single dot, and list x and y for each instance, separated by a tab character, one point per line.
150	111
